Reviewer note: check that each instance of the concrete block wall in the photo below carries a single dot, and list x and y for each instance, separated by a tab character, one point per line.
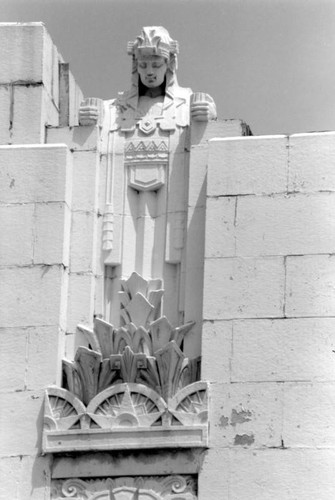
269	327
46	199
35	222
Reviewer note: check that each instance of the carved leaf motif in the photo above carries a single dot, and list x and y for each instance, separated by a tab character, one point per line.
130	363
122	339
71	379
160	331
135	284
142	341
179	332
169	363
87	364
104	334
138	310
107	376
149	375
91	337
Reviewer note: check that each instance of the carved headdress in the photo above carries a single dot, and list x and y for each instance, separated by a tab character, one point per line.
155	40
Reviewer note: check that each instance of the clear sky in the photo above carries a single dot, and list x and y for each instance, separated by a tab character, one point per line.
269	62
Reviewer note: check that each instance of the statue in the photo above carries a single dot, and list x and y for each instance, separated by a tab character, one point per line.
144	142
154	65
134	373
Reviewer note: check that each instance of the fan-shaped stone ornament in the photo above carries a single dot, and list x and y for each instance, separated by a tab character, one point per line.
126	488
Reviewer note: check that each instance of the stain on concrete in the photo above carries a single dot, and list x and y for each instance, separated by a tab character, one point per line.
223	421
244	440
240	417
12	183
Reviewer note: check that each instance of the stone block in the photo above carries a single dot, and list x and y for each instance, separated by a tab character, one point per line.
14	342
5	99
246	415
283	350
44	353
80	301
250	165
76	138
213	481
198	176
52	233
312	158
16	226
243	288
31	106
220	227
309	415
85	180
310	286
83	242
282	474
216	351
285	225
202	132
75	98
35	477
36	173
32	295
10	468
21	421
25	54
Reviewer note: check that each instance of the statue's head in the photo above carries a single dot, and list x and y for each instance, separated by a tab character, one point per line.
154	56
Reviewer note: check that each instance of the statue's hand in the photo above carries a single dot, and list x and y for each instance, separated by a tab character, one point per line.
202	107
90	111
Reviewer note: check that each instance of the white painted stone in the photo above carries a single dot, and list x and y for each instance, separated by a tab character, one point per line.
282	474
284	225
312	158
31	105
310	286
283	350
13	360
10	468
25	477
202	133
309	414
220	227
246	415
36	173
52	233
85	180
216	351
75	98
42	305
45	349
197	175
35	478
243	288
248	165
5	114
16	228
18	411
80	301
256	415
22	52
76	138
194	277
213	480
82	251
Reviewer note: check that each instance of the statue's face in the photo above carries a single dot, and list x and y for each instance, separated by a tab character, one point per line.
152	70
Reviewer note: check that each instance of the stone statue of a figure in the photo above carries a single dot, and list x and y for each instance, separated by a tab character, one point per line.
145	145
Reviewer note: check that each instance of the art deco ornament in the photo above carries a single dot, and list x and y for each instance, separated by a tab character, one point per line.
155	41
